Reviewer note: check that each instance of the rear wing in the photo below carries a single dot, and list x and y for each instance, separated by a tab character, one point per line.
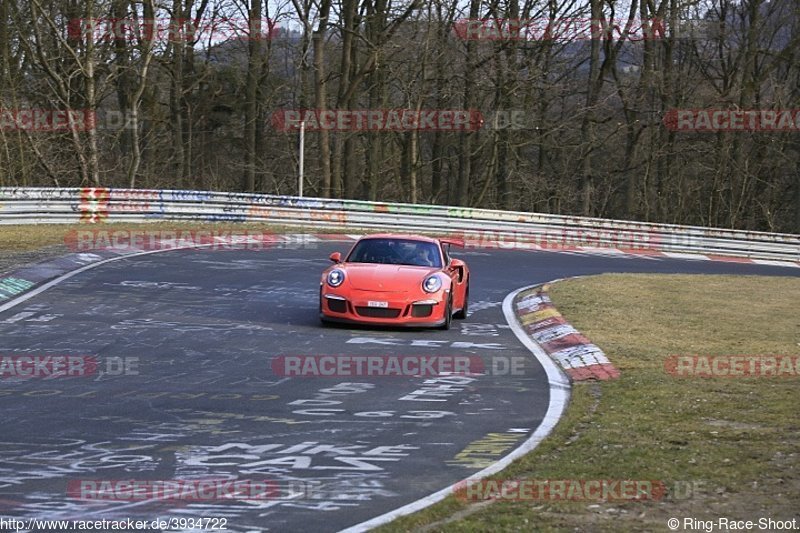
453	242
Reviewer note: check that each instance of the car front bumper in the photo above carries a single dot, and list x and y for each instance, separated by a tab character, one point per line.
428	311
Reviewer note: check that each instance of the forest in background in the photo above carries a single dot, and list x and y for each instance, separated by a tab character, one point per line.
192	107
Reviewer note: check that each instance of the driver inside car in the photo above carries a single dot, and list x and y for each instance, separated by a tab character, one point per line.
425	257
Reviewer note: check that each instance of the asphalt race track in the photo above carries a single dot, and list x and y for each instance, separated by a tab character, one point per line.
185	388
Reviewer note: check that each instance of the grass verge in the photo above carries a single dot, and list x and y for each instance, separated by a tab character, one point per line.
724	447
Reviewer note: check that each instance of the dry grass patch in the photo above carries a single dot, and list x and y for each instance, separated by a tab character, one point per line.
736	441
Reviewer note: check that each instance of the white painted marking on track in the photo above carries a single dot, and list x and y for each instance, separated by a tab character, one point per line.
603	251
88	257
774	262
681	255
38	290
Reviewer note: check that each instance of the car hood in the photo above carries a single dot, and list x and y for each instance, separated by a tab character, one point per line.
386	278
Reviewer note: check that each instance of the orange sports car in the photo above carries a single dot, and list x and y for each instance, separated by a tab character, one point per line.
397	280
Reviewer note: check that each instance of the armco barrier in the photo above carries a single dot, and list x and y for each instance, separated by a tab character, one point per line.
509	228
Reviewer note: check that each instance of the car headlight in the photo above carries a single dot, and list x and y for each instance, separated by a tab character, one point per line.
335	277
432	283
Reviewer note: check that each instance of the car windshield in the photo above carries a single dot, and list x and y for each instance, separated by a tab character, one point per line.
396	252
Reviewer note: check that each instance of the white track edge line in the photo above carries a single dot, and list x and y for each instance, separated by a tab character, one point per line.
559	397
41	288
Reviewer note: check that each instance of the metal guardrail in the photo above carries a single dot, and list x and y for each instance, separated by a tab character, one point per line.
498	228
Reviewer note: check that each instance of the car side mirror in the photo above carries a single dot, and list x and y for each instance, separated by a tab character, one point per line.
456	263
336	257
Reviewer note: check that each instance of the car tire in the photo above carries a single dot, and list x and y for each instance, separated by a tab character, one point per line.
448	314
462	313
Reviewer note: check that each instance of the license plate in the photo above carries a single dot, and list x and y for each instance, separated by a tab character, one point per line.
372	303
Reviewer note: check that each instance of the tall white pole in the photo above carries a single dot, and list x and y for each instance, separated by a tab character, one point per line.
302	155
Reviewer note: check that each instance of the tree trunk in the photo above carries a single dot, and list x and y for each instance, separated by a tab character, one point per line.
176	99
465	155
320	83
251	105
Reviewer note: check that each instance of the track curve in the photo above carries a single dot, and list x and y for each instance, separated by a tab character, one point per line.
199	330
